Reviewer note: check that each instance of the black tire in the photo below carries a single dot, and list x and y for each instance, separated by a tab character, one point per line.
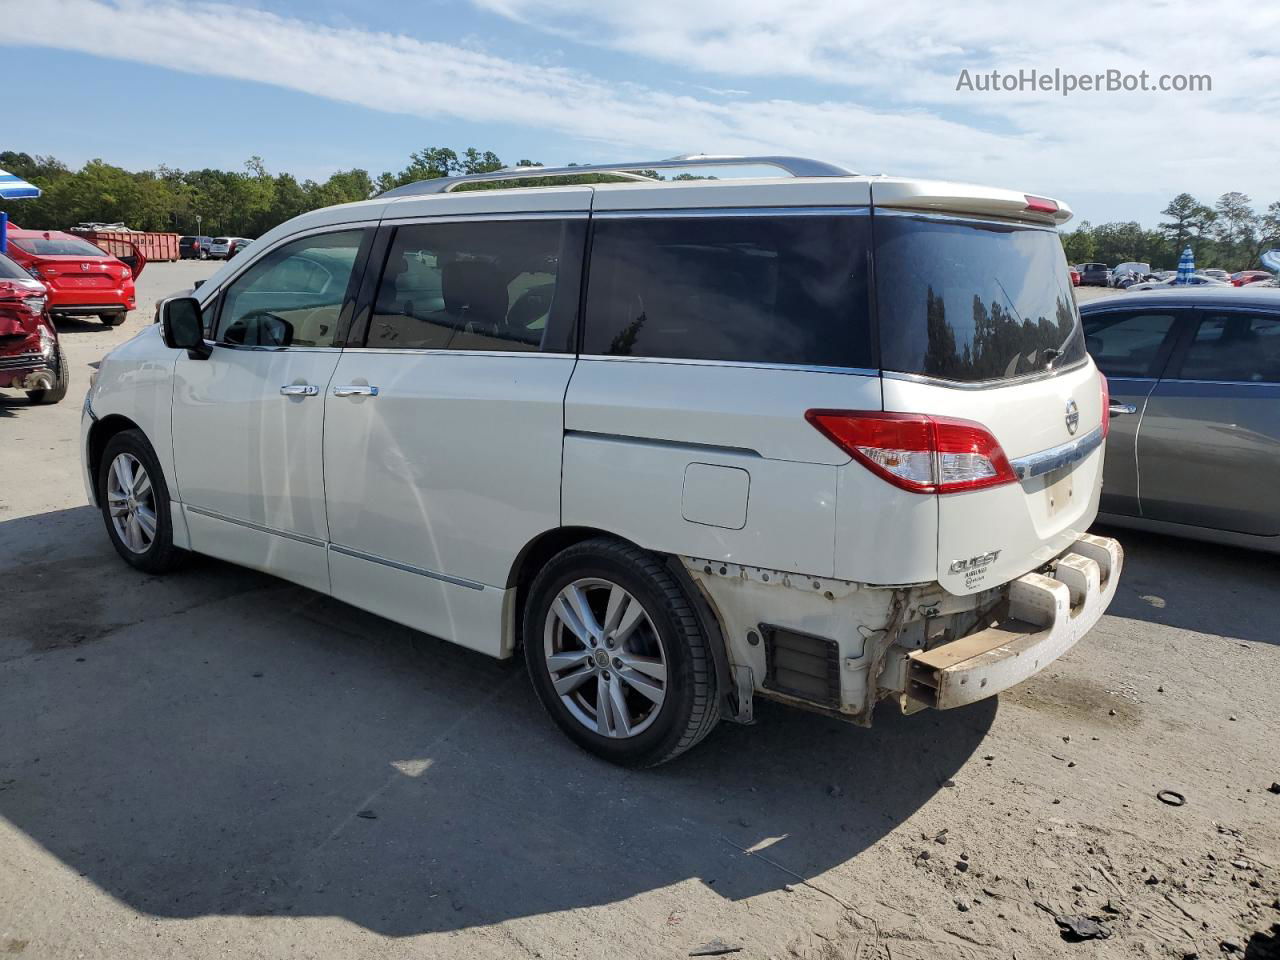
161	556
59	390
113	319
690	708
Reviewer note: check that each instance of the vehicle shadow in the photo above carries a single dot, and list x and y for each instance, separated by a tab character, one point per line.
74	325
1219	590
219	742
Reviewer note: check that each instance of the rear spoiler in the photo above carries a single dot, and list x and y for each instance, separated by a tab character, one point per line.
962	198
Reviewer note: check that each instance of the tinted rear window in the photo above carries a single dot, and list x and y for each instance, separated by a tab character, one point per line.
774	289
56	246
973	301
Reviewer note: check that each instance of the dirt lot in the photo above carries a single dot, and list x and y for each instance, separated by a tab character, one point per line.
220	764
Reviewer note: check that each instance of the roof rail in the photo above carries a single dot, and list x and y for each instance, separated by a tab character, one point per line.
795	166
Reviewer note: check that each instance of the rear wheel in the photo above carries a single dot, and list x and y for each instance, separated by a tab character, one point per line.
59	389
617	655
113	319
135	504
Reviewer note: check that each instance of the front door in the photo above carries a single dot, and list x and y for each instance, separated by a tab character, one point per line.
248	421
1131	348
1209	447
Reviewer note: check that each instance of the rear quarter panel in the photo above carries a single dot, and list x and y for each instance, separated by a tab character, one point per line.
633	430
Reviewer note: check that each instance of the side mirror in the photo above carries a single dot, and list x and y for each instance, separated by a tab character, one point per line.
182	326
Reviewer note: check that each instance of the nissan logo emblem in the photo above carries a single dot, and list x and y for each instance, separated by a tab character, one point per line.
1073	416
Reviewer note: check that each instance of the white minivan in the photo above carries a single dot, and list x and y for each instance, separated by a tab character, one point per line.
823	438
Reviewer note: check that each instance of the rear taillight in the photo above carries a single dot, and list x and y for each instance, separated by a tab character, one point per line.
1106	406
916	452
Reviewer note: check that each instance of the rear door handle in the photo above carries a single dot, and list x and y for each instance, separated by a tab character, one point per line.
355	390
300	390
1118	408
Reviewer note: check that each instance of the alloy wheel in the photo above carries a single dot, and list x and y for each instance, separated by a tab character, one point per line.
605	657
131	503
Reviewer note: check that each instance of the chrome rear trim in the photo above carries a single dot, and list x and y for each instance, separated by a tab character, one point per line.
1037	464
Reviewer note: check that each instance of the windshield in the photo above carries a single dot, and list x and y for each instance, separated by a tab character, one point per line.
971	301
58	245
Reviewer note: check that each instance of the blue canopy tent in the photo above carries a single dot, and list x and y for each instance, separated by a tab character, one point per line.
13	188
1186	267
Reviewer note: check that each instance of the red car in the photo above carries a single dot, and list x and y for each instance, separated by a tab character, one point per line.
30	357
83	279
1246	277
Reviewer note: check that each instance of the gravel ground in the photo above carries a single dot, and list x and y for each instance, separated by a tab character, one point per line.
219	764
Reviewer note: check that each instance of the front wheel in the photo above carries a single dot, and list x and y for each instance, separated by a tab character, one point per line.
135	504
617	654
113	319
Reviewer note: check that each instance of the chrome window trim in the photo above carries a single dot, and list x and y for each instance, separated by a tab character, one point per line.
448	352
410	219
214	515
748	364
247	348
982	384
1037	464
406	567
685	213
1224	383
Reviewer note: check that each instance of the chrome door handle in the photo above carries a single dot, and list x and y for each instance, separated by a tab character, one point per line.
300	390
1117	408
355	390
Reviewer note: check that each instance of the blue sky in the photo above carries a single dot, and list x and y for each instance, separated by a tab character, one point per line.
328	84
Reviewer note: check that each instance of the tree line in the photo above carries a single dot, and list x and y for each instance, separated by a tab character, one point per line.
1230	235
243	203
246	203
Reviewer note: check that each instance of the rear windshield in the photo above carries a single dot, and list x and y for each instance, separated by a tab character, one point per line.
11	271
58	246
972	301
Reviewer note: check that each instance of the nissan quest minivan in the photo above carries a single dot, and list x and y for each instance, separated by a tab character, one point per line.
823	438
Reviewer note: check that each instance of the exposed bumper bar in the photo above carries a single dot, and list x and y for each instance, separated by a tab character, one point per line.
1048	614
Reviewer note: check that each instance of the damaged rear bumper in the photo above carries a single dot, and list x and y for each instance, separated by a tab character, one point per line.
27	371
840	647
1048	613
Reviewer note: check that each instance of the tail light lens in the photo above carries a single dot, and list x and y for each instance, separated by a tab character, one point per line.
1106	406
919	453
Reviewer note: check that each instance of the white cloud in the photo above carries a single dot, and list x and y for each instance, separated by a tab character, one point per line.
893	71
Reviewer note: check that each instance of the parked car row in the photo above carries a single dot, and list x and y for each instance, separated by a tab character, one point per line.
31	357
49	274
82	278
1135	275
